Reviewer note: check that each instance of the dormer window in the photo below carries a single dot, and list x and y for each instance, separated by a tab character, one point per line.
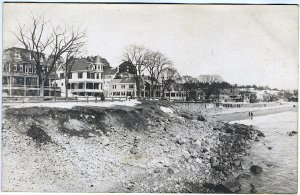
92	67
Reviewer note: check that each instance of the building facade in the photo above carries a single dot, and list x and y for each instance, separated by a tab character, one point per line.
19	75
88	77
122	88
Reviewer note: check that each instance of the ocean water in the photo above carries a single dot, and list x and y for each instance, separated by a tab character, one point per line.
279	164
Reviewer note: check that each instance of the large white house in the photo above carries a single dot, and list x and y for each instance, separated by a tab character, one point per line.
85	78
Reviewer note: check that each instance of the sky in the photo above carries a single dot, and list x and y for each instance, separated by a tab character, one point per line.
245	44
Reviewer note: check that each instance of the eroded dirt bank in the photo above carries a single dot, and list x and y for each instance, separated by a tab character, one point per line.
119	149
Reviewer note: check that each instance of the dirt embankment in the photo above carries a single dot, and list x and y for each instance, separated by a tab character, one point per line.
119	149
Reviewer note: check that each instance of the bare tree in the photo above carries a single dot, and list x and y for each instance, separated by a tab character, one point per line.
58	41
210	79
70	61
170	76
135	55
156	63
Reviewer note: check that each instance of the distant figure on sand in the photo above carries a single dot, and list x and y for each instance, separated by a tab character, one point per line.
251	114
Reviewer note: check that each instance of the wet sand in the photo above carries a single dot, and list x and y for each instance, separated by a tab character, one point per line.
245	114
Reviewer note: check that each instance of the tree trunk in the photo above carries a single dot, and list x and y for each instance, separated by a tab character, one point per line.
138	87
41	85
66	86
152	91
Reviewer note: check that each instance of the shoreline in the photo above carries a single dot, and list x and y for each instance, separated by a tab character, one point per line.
227	117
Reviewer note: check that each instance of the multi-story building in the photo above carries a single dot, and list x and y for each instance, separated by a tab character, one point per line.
88	77
19	74
122	88
108	75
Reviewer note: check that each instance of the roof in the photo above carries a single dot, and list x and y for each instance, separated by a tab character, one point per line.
81	64
97	60
124	80
110	71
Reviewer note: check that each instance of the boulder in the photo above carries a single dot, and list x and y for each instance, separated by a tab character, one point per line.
134	150
256	169
253	189
229	186
260	134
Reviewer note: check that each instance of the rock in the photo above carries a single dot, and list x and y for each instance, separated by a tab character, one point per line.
134	150
270	148
181	141
292	133
170	171
91	135
157	170
204	150
105	141
198	160
229	186
253	189
260	134
257	139
256	169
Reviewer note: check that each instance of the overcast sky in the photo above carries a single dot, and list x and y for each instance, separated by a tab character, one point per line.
245	44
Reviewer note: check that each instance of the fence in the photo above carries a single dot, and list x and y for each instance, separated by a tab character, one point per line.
60	99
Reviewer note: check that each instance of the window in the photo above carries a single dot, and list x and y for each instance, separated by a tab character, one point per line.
123	86
61	75
98	75
123	93
15	67
21	68
62	84
130	86
80	86
31	57
92	75
69	75
114	86
80	75
18	55
88	75
29	69
69	86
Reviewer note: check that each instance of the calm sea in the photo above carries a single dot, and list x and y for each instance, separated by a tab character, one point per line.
279	163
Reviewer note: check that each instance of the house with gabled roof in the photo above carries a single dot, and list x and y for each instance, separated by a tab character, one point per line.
122	88
86	77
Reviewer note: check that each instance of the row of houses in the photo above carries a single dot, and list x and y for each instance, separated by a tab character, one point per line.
93	76
90	76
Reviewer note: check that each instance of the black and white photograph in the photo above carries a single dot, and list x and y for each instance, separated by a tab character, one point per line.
149	97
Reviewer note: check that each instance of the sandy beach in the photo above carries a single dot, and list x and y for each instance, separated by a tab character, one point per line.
236	114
